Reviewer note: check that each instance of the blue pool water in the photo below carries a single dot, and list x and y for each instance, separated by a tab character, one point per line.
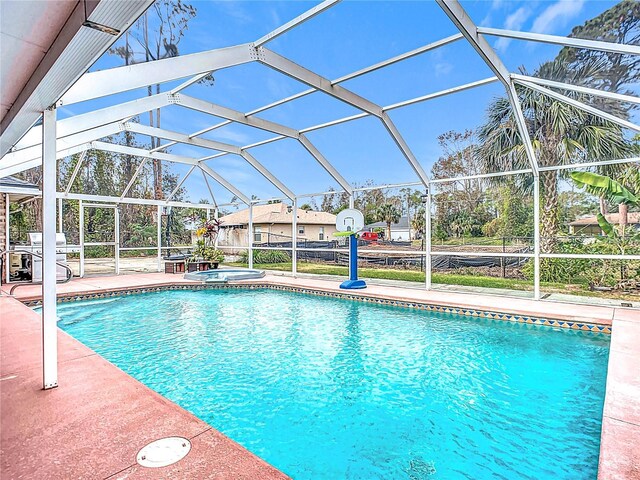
332	389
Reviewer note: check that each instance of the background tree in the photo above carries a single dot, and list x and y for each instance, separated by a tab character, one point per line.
619	24
560	134
157	35
459	160
389	214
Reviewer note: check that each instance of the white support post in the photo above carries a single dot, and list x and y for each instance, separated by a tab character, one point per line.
116	214
49	273
159	237
250	235
60	215
427	240
294	237
81	232
7	261
536	238
216	215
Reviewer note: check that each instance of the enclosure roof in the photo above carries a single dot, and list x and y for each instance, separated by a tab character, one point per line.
277	213
95	129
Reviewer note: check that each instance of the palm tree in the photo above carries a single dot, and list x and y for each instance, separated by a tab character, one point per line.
419	222
389	214
560	134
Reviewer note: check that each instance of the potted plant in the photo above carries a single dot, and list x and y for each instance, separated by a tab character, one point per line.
204	250
213	255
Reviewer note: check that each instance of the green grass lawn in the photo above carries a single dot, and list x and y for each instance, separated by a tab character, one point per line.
411	276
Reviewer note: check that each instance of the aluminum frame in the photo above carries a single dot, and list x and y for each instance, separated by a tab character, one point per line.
82	132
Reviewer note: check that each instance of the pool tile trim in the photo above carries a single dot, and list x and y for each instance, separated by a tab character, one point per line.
469	312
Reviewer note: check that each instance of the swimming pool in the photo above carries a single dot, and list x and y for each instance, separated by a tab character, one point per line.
325	388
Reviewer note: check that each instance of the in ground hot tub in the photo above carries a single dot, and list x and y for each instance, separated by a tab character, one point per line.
224	275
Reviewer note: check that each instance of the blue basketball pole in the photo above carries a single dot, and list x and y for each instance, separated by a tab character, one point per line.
353	282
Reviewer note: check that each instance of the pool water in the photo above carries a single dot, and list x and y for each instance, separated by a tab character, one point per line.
325	388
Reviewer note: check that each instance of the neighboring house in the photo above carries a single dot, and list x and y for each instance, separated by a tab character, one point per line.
589	225
272	223
399	231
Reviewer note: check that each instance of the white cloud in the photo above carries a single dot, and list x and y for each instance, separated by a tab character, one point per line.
236	10
223	134
557	16
443	68
515	21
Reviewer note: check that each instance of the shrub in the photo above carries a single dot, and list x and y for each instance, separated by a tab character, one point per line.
266	256
562	270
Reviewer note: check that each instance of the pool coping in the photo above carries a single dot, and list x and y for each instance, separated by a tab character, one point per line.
620	437
594	325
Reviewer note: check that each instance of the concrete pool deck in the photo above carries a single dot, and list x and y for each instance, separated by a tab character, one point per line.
93	425
96	421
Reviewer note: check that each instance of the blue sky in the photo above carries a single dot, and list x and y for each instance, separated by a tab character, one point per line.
347	37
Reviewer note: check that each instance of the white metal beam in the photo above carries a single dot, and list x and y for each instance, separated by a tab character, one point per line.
309	14
212	144
133	178
576	88
206	181
234	115
287	67
564	41
297	72
294	237
121	79
97	118
180	138
159	236
399	58
75	172
187	83
522	127
175	190
372	68
463	22
441	93
49	268
330	169
582	106
129	200
591	164
267	174
404	148
224	183
138	152
30	156
12	169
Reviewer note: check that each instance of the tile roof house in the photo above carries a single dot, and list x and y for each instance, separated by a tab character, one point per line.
589	225
272	223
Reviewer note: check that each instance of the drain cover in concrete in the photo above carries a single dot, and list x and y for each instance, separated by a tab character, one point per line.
163	452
